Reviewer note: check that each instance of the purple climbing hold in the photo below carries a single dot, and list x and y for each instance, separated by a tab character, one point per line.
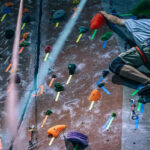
78	138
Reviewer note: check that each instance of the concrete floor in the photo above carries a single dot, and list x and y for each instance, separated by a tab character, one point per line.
72	107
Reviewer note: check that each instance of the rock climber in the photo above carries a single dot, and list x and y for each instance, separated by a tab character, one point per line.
128	62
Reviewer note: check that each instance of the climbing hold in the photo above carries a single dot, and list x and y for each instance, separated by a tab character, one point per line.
56	130
25	35
59	15
142	9
59	87
83	29
97	21
54	76
48	48
25	10
26	18
9	34
6	10
9	4
78	138
75	2
48	112
105	73
101	85
113	114
24	44
142	100
71	68
95	95
106	36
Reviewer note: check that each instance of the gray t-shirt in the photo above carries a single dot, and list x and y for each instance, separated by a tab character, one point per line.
140	29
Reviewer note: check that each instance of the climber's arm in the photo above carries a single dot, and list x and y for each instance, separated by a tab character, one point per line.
113	19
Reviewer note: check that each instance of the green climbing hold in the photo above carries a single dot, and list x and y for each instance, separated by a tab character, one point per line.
48	112
113	114
24	44
106	36
59	15
59	87
71	68
75	2
142	9
141	100
83	29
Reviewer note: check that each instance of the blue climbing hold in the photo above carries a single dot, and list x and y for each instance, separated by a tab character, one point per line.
6	10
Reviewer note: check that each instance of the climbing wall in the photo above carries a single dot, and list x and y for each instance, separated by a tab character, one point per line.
89	53
72	107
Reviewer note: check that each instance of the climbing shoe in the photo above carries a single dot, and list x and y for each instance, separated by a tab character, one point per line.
145	90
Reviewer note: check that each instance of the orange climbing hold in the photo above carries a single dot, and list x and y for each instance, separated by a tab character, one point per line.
9	4
95	95
25	35
56	130
97	21
25	10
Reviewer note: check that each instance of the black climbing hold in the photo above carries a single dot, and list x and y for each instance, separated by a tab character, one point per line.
26	18
59	87
83	29
105	73
9	34
101	85
71	68
48	112
54	76
142	100
59	15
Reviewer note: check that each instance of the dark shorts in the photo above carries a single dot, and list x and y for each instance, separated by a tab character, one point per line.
130	57
116	65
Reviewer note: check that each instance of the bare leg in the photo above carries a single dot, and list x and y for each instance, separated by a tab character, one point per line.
132	73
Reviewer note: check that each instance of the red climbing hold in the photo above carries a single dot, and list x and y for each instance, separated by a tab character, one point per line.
97	21
48	49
